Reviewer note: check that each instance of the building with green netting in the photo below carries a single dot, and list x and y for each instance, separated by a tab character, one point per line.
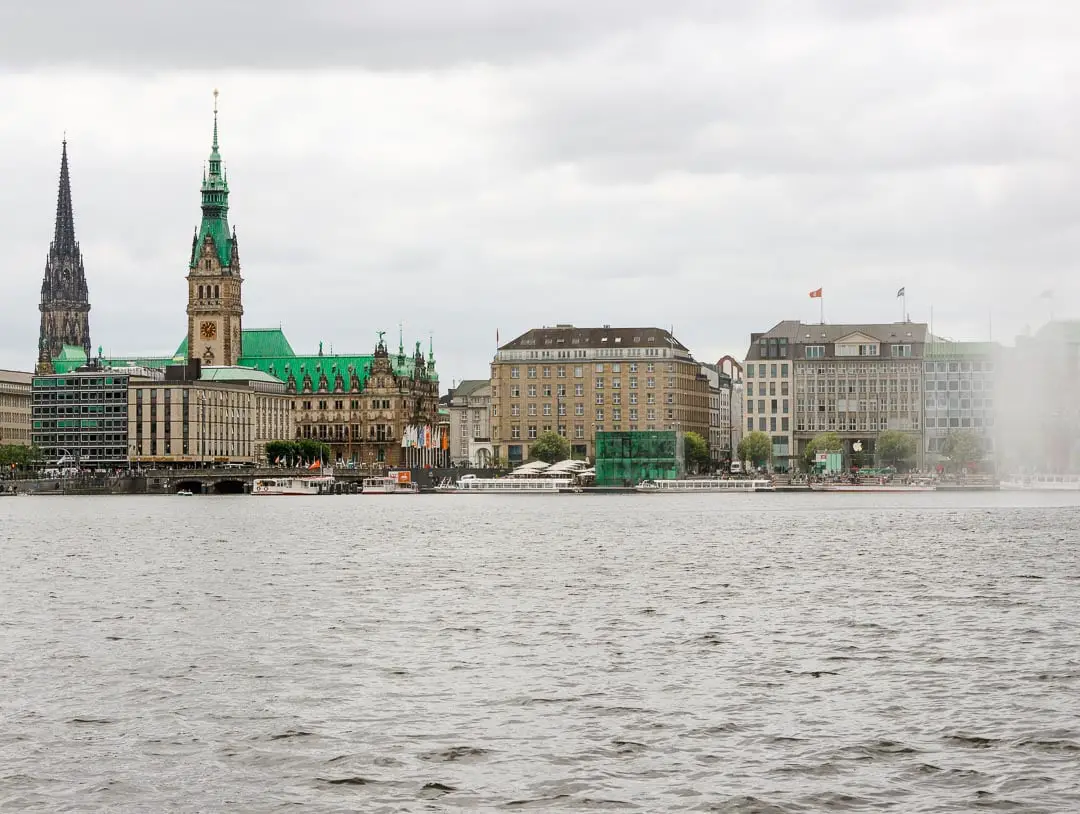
628	458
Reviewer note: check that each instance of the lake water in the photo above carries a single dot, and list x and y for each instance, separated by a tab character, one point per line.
725	653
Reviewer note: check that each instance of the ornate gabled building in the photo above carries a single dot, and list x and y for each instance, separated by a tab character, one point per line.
215	309
358	404
65	304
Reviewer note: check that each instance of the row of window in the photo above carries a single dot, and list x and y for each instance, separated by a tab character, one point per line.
891	369
960	421
579	370
861	423
858	386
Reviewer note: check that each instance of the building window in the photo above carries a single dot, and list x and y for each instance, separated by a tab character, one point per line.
903	351
814	352
515	372
531	372
599	413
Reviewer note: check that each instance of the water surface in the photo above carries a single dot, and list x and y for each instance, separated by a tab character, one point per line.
729	653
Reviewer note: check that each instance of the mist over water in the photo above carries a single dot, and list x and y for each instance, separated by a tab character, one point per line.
735	653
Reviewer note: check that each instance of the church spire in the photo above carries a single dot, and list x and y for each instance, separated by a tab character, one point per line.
65	304
64	236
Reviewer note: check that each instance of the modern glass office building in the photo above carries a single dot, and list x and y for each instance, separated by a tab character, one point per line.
627	458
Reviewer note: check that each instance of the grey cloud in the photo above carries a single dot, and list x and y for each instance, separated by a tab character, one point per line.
380	34
701	165
376	34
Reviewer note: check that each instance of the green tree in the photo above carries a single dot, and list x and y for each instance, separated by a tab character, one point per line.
284	451
550	447
696	450
895	448
755	447
962	447
15	457
822	442
312	450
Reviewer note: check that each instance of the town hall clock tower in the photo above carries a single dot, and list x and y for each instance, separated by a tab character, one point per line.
215	306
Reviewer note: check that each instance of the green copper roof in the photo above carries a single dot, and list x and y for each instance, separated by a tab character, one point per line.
258	343
267	351
72	353
215	205
266	343
236	374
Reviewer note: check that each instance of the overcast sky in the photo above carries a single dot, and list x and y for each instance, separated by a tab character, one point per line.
481	165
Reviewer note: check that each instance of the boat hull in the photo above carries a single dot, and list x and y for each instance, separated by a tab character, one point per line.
871	488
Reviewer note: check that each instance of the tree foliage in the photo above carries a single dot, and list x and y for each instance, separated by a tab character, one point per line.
823	442
962	447
696	450
550	447
894	447
291	453
18	456
755	447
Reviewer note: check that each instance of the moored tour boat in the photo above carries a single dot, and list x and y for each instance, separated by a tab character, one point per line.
470	484
388	486
704	485
1041	483
873	487
294	485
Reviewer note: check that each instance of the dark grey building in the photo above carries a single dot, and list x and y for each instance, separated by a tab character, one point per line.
79	419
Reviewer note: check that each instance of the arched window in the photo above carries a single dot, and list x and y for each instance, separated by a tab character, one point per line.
207	264
200	292
217	292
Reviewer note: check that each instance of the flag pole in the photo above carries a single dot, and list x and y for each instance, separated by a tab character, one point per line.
821	307
903	306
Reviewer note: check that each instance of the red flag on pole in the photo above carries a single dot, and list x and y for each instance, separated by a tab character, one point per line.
815	293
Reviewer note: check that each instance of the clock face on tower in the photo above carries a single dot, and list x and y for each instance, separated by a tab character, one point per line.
208	330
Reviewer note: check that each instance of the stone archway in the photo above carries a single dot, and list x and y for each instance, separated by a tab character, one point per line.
228	487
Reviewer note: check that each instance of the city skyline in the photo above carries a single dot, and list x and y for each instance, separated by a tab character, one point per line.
646	171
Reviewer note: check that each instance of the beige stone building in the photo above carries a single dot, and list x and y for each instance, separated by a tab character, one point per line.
225	417
470	424
854	380
580	381
15	390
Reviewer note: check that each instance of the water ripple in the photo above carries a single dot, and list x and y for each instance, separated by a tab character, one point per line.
769	654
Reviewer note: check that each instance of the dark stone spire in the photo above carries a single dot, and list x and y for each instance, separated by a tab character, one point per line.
64	236
65	302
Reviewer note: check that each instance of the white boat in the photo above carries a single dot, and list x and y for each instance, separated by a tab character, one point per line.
510	485
294	485
185	493
871	487
702	485
1042	483
388	486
